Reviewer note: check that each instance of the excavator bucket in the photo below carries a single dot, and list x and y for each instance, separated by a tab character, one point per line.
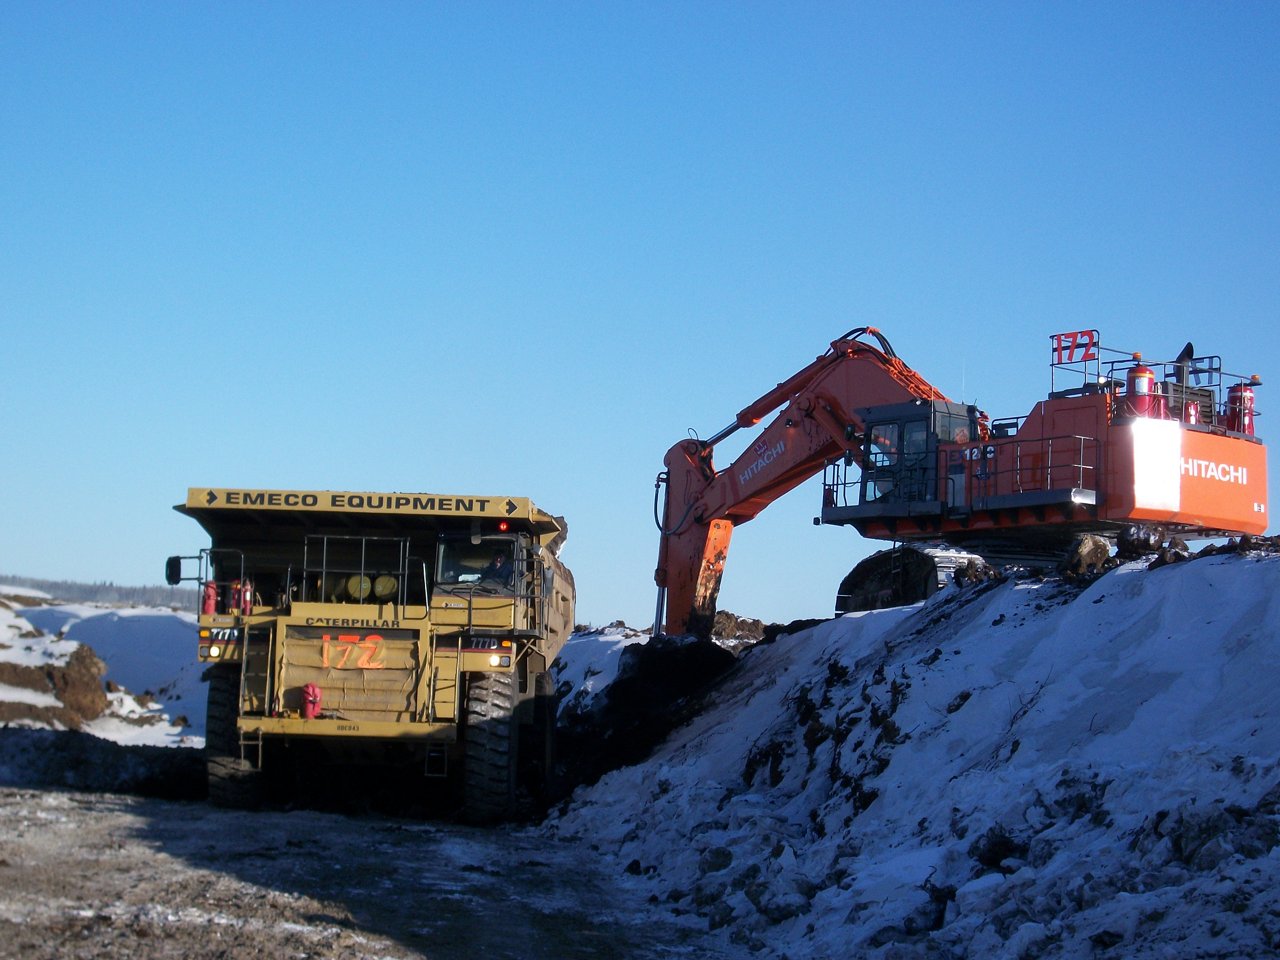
710	572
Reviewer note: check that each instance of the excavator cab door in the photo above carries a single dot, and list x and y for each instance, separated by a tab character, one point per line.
898	462
880	461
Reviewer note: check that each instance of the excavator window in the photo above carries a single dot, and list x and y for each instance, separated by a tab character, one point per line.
882	449
953	429
897	464
915	440
879	473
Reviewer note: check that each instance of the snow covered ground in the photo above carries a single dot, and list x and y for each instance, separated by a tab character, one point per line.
1020	769
1016	769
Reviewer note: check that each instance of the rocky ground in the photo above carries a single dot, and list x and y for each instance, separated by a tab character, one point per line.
111	875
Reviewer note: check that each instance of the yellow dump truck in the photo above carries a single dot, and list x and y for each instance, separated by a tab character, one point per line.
405	629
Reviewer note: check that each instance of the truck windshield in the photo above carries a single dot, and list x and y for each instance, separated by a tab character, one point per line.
489	564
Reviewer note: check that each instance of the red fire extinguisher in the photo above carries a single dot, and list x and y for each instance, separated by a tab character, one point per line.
310	701
1142	397
209	601
1240	406
241	596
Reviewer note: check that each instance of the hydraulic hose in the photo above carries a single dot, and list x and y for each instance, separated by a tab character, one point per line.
857	333
657	520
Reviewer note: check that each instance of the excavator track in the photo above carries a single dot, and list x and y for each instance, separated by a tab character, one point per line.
899	576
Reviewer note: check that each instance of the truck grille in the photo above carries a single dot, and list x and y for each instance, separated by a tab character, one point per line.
362	674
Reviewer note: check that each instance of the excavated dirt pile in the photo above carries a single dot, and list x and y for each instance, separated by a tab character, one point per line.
66	759
659	686
1090	556
77	685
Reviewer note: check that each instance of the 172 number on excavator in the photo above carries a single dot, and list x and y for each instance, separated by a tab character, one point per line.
1077	346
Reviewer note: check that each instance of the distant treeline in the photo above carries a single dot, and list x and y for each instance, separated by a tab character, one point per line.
70	591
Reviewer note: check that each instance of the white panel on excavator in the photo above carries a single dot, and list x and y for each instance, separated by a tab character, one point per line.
1157	464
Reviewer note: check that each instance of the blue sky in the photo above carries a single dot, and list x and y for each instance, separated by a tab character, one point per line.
523	248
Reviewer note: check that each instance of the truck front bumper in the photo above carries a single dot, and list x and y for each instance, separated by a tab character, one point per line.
367	729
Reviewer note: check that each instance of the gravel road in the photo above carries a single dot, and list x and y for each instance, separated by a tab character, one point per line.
109	875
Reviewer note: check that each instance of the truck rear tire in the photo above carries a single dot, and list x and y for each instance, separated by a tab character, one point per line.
490	748
233	782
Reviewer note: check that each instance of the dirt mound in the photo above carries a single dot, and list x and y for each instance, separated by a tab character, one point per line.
660	685
731	627
77	685
36	759
1176	551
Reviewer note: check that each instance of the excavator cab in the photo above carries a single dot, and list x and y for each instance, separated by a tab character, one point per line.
895	459
899	457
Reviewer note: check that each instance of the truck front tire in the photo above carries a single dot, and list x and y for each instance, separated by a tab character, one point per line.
233	781
490	747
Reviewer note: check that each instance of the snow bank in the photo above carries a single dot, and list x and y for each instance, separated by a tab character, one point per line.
13	590
150	652
23	645
1019	769
589	661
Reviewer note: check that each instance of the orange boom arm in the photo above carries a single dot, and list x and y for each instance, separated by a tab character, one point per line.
819	420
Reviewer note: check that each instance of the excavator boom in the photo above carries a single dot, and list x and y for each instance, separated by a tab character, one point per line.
819	420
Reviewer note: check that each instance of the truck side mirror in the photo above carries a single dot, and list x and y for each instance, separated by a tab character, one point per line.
173	571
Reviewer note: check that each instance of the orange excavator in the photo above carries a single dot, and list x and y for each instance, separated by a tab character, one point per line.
1121	446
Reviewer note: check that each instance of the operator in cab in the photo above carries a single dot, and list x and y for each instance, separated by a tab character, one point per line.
499	569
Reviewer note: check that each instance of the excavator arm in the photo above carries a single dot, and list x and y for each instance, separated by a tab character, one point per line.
818	421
